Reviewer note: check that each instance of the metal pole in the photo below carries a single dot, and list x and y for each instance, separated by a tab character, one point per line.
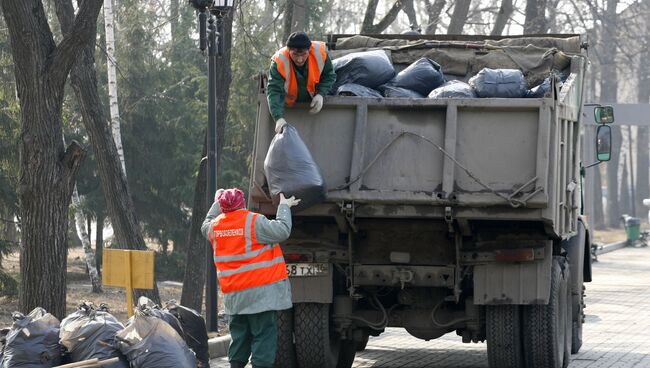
211	308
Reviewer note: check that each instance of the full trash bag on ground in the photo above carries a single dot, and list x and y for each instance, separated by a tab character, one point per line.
89	333
32	341
453	89
504	83
368	68
422	77
353	89
290	169
196	334
398	92
150	342
154	309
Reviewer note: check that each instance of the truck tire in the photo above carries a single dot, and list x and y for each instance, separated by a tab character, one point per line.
285	355
503	333
316	345
546	326
576	335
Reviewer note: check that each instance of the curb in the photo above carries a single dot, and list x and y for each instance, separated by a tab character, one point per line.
611	247
218	346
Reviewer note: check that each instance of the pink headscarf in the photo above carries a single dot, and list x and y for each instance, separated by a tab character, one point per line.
231	200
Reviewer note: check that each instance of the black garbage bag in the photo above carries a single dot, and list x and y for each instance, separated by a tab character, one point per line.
196	334
149	342
90	333
453	89
290	169
353	89
540	90
147	305
504	83
398	92
422	77
32	341
368	68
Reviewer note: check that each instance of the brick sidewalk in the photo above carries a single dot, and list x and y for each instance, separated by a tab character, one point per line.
616	334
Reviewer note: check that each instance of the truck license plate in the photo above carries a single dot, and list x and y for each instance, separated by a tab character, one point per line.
307	269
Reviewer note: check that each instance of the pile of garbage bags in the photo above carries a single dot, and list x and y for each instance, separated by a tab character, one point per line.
170	337
371	74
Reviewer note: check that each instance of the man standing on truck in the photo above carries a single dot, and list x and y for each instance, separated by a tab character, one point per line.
251	273
300	72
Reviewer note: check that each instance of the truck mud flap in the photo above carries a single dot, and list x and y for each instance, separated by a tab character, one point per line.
312	289
514	283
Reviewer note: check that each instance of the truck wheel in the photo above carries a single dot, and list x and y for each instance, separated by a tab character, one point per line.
346	354
576	335
285	355
361	345
316	345
545	326
503	333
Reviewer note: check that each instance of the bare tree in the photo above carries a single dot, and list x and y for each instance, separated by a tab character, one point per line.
459	17
433	11
47	168
409	9
112	178
643	141
114	109
368	26
535	22
505	12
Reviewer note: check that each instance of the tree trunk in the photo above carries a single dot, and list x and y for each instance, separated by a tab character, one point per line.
299	16
409	9
598	218
433	11
112	80
89	256
459	17
194	278
608	94
112	178
47	168
505	12
625	187
99	242
642	140
287	21
369	28
535	21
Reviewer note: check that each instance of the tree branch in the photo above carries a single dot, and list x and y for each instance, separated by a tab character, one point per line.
80	34
385	22
505	11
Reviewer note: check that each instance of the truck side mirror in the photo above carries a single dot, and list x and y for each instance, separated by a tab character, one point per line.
604	114
604	143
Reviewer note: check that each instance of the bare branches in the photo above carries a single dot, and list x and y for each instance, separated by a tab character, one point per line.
434	10
369	28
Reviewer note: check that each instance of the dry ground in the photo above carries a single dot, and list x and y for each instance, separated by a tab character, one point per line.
79	289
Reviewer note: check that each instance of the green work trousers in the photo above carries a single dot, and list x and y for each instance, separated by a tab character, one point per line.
253	333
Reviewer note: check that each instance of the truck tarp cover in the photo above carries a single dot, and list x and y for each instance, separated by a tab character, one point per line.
422	77
504	83
196	335
33	341
370	69
291	170
89	333
150	342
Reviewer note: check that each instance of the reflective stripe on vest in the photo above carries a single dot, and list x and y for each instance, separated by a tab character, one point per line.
241	261
315	65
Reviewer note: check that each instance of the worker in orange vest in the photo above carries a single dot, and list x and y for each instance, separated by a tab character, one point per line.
300	72
251	272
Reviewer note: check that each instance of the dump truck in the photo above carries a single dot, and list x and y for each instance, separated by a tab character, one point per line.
441	215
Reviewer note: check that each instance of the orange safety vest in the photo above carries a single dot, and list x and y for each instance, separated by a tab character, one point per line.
242	262
315	65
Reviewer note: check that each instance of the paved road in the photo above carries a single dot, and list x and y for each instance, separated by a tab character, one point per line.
617	332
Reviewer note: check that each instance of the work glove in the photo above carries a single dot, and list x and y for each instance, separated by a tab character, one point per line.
217	193
279	125
291	201
316	104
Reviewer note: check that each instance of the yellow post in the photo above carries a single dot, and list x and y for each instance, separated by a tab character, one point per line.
129	285
130	269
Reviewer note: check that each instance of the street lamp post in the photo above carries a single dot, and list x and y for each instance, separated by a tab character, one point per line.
209	37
